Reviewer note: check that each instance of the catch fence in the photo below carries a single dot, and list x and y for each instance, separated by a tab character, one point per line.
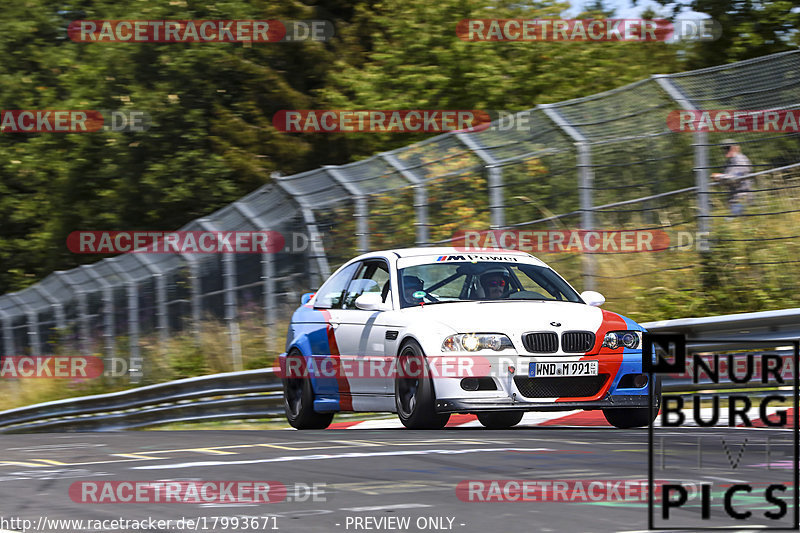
604	162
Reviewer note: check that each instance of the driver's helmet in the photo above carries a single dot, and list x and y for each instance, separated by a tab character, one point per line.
490	277
411	284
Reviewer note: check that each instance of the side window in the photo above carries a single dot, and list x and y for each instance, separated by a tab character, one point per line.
331	294
373	276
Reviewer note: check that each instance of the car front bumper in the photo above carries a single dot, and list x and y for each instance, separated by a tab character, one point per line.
507	404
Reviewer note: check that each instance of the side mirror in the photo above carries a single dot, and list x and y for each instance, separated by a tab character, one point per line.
306	297
371	301
593	298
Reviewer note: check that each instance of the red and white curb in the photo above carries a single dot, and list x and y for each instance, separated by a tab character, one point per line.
577	418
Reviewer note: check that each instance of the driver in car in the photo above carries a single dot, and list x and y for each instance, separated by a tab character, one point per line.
412	284
495	284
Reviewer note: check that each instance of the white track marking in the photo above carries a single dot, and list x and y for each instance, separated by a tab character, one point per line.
385	507
322	457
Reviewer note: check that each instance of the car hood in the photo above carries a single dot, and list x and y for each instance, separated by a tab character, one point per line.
510	316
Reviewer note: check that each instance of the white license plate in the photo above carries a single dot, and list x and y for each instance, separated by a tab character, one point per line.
562	369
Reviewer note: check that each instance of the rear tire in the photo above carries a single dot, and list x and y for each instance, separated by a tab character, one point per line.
501	420
414	397
298	398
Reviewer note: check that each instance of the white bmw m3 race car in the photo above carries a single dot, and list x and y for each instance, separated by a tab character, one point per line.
426	332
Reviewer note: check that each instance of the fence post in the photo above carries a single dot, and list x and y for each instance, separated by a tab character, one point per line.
267	275
420	197
361	209
316	249
132	291
194	294
315	254
8	334
108	317
135	368
58	308
587	208
494	180
83	312
701	165
585	185
32	317
162	318
231	312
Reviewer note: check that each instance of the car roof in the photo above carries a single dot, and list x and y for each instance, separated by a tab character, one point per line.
447	250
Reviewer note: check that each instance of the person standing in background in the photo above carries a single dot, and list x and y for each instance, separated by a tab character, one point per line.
733	178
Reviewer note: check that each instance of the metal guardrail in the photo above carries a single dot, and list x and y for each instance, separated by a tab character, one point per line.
232	395
258	393
782	325
750	331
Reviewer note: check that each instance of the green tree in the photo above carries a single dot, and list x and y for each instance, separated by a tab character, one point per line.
748	29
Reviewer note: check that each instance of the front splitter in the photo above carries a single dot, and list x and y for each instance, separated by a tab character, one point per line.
474	406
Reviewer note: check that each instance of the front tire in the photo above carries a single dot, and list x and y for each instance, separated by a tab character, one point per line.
414	397
628	417
501	420
634	417
298	398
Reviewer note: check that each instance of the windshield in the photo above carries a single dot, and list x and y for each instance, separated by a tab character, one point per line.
481	281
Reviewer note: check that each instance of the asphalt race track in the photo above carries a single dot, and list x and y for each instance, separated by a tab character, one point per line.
373	480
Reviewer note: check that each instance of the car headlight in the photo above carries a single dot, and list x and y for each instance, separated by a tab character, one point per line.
628	339
472	342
